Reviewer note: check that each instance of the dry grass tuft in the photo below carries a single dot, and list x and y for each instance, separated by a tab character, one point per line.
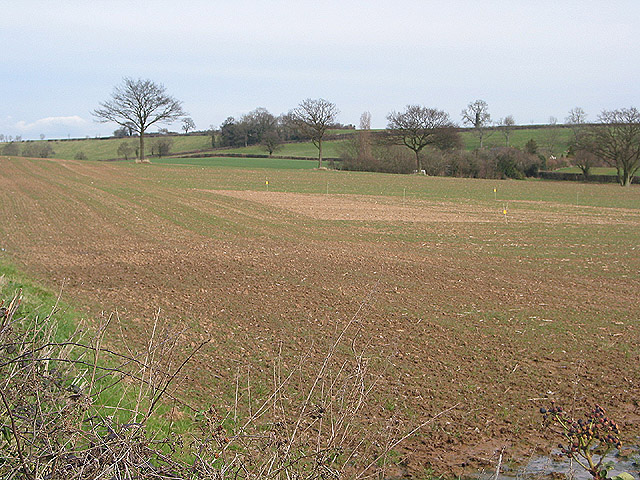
73	409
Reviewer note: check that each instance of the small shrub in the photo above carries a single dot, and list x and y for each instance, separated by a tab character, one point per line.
126	150
460	163
161	146
507	166
11	148
381	158
531	147
80	155
596	434
37	150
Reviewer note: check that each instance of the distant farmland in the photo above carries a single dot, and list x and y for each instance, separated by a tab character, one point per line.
105	149
495	301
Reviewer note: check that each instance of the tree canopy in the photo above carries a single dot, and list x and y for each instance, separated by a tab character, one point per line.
138	104
416	128
617	141
312	118
477	115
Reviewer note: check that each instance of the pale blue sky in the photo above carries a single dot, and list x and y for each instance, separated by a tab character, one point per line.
530	59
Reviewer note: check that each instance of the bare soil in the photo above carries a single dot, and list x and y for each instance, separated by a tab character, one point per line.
456	304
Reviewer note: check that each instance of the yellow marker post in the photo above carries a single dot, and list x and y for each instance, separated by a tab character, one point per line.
495	193
266	182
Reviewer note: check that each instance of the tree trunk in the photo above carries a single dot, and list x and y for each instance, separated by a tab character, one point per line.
142	157
141	152
418	162
320	153
626	178
586	170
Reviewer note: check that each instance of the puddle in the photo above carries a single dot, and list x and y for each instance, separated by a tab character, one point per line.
557	467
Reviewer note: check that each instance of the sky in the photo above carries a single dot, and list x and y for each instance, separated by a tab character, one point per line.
530	59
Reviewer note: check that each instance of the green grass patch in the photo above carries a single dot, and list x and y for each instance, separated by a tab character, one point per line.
549	139
448	189
107	148
37	304
610	171
330	148
236	162
37	301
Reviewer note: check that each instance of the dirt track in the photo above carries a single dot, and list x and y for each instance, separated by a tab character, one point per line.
464	305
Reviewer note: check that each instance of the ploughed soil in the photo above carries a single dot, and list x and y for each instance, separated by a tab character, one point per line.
454	304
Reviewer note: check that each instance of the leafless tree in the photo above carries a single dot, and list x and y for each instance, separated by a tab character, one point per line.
577	121
271	141
125	149
416	128
312	118
364	138
257	124
552	134
188	124
577	116
477	115
506	125
138	104
617	141
578	147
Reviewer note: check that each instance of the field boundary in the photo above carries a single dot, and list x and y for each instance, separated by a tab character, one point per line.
579	177
250	155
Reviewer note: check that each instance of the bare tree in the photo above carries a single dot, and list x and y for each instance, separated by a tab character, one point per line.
125	149
271	141
188	124
551	135
312	118
258	124
364	138
577	117
161	146
138	104
477	115
506	125
578	147
577	121
617	141
416	128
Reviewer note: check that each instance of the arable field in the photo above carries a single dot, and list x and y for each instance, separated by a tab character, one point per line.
492	302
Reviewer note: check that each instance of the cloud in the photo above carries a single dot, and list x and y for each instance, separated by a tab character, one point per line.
50	123
50	127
